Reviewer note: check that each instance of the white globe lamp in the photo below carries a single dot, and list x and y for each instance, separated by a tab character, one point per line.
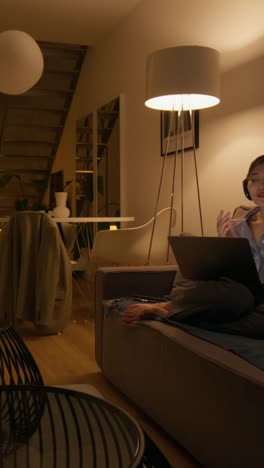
21	62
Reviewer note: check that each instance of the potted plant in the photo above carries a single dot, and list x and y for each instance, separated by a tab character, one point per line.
21	202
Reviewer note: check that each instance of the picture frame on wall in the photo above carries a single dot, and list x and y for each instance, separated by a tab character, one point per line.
165	126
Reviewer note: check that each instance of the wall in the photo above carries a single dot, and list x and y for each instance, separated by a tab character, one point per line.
231	134
65	157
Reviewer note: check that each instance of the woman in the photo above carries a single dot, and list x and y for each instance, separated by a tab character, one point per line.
222	305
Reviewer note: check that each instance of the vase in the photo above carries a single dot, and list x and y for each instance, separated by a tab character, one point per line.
61	210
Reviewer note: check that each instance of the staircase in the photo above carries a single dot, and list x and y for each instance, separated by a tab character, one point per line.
31	126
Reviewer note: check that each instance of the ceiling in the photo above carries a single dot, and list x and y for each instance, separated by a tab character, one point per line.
69	21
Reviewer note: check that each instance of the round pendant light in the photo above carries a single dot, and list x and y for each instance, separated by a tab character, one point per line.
21	62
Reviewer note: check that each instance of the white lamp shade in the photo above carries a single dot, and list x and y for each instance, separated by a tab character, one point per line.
21	62
184	77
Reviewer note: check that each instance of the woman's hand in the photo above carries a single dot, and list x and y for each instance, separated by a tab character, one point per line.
224	225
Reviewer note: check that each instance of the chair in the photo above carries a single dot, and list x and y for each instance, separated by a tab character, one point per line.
80	266
35	273
130	246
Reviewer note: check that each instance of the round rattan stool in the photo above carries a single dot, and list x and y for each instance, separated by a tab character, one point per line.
17	365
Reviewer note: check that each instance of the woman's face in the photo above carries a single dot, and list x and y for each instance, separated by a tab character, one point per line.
256	184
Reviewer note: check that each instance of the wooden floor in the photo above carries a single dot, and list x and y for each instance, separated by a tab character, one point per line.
69	358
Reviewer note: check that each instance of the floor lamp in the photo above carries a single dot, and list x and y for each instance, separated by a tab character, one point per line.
178	79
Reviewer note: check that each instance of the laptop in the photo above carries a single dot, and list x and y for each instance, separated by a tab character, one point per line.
209	258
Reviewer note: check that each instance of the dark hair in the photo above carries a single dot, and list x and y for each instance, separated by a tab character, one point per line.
255	163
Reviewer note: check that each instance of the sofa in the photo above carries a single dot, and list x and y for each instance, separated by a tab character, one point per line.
207	398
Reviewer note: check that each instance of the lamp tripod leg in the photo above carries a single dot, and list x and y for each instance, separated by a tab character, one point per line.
159	190
196	173
176	132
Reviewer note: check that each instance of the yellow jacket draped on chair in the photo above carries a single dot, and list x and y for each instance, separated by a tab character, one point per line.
35	272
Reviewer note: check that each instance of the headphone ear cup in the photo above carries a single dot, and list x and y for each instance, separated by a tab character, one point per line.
245	188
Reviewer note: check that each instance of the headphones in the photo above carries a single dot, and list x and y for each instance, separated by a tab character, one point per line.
245	188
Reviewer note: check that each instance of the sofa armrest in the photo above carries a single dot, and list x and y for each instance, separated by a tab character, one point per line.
114	282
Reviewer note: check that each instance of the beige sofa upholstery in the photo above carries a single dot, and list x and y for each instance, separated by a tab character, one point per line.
207	398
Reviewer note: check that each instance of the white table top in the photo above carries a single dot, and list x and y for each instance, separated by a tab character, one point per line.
89	219
95	219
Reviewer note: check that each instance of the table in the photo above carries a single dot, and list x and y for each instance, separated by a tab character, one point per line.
95	219
48	427
84	229
89	219
85	233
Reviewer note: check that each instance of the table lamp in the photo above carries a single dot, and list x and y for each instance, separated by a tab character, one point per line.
178	79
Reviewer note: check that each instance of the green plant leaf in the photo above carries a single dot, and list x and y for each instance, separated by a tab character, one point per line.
87	186
40	185
4	179
21	204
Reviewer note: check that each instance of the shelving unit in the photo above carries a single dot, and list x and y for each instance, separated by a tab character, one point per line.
88	163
